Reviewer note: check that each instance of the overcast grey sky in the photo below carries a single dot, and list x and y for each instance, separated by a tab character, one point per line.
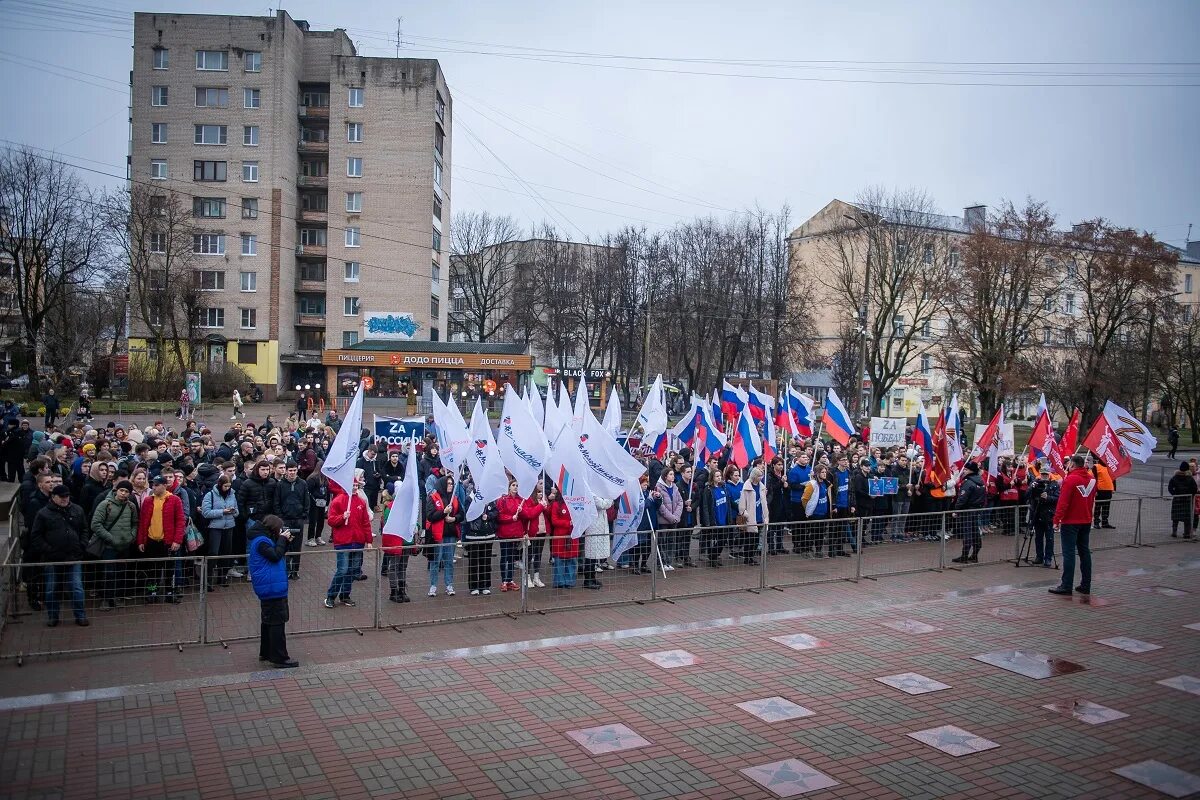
654	142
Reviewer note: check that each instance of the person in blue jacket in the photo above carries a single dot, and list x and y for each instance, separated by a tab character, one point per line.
797	477
642	555
841	505
269	576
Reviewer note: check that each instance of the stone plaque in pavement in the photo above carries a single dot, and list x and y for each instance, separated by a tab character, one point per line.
1032	665
789	778
1161	777
953	740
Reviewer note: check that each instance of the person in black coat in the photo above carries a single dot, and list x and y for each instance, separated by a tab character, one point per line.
972	497
60	533
478	535
372	480
51	402
777	495
291	503
1043	499
1182	488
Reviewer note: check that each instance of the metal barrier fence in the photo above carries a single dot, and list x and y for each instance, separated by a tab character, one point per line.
198	600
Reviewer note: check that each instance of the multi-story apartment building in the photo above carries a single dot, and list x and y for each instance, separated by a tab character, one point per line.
10	316
925	377
320	179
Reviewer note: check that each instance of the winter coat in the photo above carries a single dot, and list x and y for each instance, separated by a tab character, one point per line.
561	543
512	513
174	522
1076	497
213	506
483	527
267	567
670	508
116	523
749	502
1041	511
860	493
291	500
596	544
971	493
255	498
777	496
59	534
437	508
352	533
1182	488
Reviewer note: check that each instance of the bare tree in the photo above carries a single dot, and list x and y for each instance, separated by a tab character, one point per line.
1005	287
1176	368
480	270
50	229
892	261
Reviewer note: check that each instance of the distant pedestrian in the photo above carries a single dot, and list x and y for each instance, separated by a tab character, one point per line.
51	402
185	404
268	575
237	405
1173	440
1182	489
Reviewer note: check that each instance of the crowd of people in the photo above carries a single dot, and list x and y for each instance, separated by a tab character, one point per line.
118	513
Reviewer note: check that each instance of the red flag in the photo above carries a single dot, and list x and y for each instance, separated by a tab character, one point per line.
1103	442
1070	440
990	436
940	468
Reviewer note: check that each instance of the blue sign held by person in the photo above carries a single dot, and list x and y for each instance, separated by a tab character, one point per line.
399	430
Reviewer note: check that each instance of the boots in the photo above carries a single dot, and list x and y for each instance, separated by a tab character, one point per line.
965	558
974	559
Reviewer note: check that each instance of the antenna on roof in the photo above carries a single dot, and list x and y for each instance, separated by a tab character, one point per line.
1188	240
398	32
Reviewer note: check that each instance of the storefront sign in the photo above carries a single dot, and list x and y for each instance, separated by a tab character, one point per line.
590	374
401	360
912	381
389	325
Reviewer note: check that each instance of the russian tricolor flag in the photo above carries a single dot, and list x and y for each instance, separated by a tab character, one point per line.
800	407
760	404
747	444
712	439
836	419
688	427
733	400
922	436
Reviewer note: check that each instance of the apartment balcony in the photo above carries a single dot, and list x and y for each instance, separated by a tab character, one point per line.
320	217
311	251
312	181
313	148
313	112
304	320
310	284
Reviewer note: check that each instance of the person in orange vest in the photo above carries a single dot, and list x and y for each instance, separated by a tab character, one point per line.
1105	486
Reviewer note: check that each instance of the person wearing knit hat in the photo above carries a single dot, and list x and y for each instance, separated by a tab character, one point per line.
972	496
1182	488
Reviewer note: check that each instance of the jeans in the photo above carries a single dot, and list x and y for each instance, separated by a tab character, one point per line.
349	564
1075	540
443	559
899	522
116	576
219	542
564	572
510	551
1043	541
69	576
296	526
536	545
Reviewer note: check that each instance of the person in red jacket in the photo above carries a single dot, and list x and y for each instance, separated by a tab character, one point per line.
537	528
1073	517
349	520
564	550
161	529
510	529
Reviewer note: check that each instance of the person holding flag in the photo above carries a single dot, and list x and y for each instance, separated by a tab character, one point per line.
401	522
836	419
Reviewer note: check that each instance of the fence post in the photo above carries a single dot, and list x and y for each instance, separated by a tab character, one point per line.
942	542
1162	482
379	580
858	573
524	574
1017	533
655	561
1137	528
762	556
203	612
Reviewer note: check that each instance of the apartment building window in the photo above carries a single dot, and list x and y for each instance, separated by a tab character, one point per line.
253	60
162	58
353	237
158	133
354	131
439	106
208	244
251	98
354	167
250	171
927	329
1047	336
356	97
249	244
211	97
439	139
1068	336
1049	303
313	236
437	241
435	309
153	317
437	207
249	318
350	307
1069	304
250	135
315	99
926	365
209	170
1187	313
158	243
1187	283
210	317
314	201
158	95
1072	269
954	258
435	334
314	135
247	353
928	255
249	208
353	268
898	326
208	207
349	338
437	173
210	280
436	272
249	281
212	60
158	205
311	305
211	134
354	202
314	169
158	169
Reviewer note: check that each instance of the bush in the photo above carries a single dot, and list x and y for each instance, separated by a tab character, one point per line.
217	381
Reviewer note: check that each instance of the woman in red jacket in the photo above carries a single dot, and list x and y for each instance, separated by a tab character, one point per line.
510	528
564	550
349	520
161	529
537	528
442	518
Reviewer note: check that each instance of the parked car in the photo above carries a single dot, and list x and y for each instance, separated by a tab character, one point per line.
20	382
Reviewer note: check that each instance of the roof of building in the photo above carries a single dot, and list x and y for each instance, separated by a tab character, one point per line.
490	348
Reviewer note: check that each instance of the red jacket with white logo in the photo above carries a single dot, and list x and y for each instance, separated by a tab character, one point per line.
1076	497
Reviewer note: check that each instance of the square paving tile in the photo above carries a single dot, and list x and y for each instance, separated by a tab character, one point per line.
1194	626
953	740
1185	683
774	709
528	776
801	641
789	777
1093	601
1084	711
671	659
1031	665
1009	612
607	739
1165	591
912	683
1129	645
913	626
1161	778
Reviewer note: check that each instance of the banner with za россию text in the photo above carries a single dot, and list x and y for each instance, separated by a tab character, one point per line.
399	430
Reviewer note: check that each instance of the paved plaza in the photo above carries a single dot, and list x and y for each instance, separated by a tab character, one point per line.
974	684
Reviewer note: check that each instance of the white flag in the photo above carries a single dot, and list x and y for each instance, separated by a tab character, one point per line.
404	518
343	453
630	507
521	443
612	413
1130	432
483	461
453	438
611	470
582	405
556	419
653	416
566	468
